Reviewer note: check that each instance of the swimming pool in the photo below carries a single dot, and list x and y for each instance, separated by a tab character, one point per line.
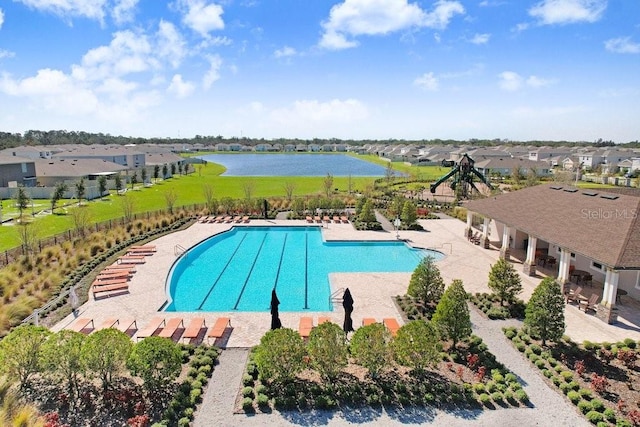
237	269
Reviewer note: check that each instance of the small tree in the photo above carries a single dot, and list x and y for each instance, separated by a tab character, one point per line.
20	352
128	205
28	233
58	194
170	197
280	355
426	284
102	185
516	174
180	168
173	169
389	173
165	171
62	355
134	180
452	313
118	183
328	349
143	176
81	190
207	191
289	188
105	353
367	214
409	213
157	361
417	345
327	184
22	200
249	187
544	314
370	346
504	281
156	172
81	219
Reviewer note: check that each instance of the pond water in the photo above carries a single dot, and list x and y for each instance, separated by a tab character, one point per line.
294	165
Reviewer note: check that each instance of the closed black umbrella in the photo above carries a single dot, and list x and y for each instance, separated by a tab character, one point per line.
275	319
347	303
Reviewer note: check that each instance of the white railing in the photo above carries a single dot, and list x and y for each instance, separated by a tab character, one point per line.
336	296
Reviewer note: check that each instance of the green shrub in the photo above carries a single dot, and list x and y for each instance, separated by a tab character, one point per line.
558	368
623	423
540	363
247	404
497	397
630	343
510	334
584	406
521	395
588	345
262	400
594	417
195	396
547	373
184	422
479	388
484	399
556	381
536	349
261	389
508	396
574	397
597	405
497	313
574	385
247	392
585	393
521	347
609	415
497	377
491	386
510	378
567	376
188	412
247	380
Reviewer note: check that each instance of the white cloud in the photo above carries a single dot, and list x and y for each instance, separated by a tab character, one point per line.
480	38
6	54
622	45
427	81
213	74
313	111
549	12
123	11
520	27
202	17
354	18
1	18
180	88
512	81
171	44
285	52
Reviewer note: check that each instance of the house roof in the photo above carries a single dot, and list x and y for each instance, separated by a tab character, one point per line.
12	160
598	224
509	162
75	168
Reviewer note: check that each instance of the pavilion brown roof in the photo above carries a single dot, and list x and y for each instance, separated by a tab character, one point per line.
600	225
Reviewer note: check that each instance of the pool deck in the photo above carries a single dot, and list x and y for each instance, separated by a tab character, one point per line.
372	292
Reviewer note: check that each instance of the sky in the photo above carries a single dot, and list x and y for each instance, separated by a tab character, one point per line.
516	70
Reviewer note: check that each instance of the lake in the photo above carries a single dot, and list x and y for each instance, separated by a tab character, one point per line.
294	165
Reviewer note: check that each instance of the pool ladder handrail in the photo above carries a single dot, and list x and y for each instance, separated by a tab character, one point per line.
179	250
336	296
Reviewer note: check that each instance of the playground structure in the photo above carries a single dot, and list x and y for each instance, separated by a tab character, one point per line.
463	174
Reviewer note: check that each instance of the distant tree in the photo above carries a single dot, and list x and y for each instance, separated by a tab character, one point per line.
81	219
289	188
249	187
134	180
532	177
328	350
452	313
157	361
22	200
102	185
62	356
359	205
544	314
28	233
367	213
504	281
80	190
371	348
349	184
20	352
58	194
165	171
118	183
173	169
156	172
409	213
396	206
389	173
143	175
170	197
227	204
516	174
426	284
128	206
280	355
180	168
417	345
207	191
327	184
105	354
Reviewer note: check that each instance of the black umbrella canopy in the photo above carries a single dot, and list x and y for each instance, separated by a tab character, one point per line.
347	303
275	317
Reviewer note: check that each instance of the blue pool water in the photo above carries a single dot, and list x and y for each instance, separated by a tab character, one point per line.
237	269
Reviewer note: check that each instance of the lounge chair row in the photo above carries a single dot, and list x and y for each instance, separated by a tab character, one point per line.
221	219
173	328
326	219
390	322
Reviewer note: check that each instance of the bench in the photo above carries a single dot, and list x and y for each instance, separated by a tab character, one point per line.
171	326
193	330
218	328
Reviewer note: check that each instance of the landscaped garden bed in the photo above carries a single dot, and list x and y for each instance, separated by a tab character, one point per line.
601	379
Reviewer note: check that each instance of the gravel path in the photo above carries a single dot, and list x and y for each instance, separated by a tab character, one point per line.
547	406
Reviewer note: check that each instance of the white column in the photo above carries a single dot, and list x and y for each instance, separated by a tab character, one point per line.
563	266
531	250
506	234
610	288
469	219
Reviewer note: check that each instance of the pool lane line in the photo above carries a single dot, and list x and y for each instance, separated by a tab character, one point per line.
255	260
306	271
275	285
222	272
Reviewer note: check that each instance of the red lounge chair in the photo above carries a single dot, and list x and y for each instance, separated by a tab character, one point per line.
218	328
368	321
151	327
81	324
336	220
120	267
109	323
110	281
344	219
193	330
171	326
309	219
392	325
323	319
306	324
150	248
131	259
124	325
108	288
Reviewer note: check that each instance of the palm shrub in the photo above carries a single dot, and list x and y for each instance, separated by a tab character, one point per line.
328	350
